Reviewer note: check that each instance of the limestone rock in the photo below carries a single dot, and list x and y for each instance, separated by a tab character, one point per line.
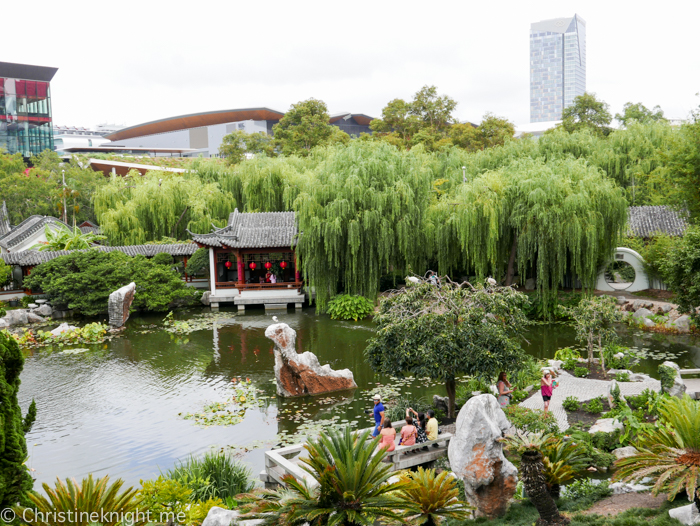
205	297
43	310
666	307
621	300
611	387
648	323
555	365
678	388
681	324
619	488
119	303
641	304
220	517
64	327
530	284
639	377
686	514
16	317
613	372
605	425
3	324
476	456
34	318
441	403
642	313
624	452
301	374
413	279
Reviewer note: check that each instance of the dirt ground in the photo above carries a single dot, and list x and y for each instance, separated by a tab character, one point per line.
619	503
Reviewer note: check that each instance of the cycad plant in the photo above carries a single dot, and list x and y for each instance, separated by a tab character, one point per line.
353	487
562	462
430	499
670	453
80	505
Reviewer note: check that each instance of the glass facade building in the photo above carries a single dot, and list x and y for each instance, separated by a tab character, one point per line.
557	66
25	108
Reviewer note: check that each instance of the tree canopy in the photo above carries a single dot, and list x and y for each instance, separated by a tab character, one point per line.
587	112
237	144
446	331
306	126
639	113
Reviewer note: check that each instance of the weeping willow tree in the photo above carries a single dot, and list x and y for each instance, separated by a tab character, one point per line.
363	215
136	209
542	218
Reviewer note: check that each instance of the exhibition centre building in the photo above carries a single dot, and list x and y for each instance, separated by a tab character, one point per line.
200	134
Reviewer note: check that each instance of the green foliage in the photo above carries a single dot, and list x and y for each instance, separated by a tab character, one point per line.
566	353
594	406
622	377
581	372
448	331
84	280
135	209
163	259
681	271
91	333
3	311
172	500
518	396
5	273
304	127
682	161
637	112
395	410
25	301
606	442
29	418
435	498
667	375
15	480
349	307
593	318
588	113
352	488
670	452
216	474
531	420
571	403
528	372
64	238
586	490
198	263
83	505
235	145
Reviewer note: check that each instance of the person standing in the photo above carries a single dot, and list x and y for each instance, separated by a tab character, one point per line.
432	426
504	390
378	415
547	386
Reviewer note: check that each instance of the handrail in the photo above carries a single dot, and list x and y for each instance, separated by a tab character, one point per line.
689	371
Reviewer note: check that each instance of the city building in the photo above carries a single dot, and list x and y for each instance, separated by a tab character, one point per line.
557	66
25	108
200	134
74	137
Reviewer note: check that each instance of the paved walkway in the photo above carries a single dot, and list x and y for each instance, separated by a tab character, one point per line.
584	390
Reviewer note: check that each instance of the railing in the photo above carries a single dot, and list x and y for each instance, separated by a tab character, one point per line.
260	286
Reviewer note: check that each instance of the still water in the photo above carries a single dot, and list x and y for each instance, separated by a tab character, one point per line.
118	407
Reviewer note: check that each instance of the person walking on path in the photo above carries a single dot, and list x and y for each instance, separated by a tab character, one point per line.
378	415
547	385
505	390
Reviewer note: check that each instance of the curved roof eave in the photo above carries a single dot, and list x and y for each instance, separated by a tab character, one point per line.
195	120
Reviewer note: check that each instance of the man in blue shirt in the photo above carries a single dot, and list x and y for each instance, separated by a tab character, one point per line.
378	415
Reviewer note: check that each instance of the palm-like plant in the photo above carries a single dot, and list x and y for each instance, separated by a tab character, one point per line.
670	453
79	505
353	487
562	462
432	497
66	239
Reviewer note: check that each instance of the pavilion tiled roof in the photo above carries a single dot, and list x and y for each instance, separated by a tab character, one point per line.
648	221
252	230
28	258
5	226
27	228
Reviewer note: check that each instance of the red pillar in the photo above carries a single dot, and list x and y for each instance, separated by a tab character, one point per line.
241	270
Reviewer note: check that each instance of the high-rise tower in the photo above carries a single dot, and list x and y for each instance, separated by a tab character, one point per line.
557	66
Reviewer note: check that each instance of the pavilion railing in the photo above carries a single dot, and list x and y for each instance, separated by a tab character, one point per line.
260	286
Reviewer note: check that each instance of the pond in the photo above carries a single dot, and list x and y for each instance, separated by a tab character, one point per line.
118	408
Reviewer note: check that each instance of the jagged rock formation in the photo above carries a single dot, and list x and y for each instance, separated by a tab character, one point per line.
301	374
119	304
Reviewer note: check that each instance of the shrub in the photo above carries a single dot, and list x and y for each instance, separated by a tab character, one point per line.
163	259
215	474
594	406
570	364
395	410
622	377
606	442
531	421
25	301
199	262
667	375
567	353
518	396
571	403
581	372
2	309
349	307
586	492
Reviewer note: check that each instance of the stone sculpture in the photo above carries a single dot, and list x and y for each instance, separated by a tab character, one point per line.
119	304
477	457
301	374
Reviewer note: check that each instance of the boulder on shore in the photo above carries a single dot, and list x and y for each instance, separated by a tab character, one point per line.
688	515
476	456
302	374
16	317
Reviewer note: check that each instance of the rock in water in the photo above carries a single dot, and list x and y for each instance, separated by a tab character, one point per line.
119	303
477	457
64	327
301	374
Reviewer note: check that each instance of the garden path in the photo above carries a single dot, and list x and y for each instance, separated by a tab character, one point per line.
583	389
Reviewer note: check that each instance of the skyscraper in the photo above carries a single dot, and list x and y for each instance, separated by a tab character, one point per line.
557	66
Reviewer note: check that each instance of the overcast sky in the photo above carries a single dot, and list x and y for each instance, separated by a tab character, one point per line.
129	62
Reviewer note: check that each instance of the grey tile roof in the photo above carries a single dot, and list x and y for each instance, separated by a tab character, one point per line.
27	258
253	230
648	221
4	220
89	229
27	228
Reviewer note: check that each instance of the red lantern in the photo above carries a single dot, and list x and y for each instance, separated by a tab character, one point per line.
283	265
228	264
252	265
268	265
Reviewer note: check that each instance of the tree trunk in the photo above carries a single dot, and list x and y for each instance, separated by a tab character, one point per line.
532	470
511	262
451	395
696	499
555	491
